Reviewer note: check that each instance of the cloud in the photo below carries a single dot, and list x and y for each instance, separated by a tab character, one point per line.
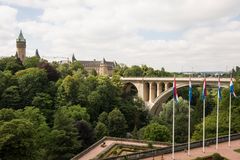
208	39
7	29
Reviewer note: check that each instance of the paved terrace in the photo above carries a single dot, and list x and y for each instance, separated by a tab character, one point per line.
223	150
181	154
97	149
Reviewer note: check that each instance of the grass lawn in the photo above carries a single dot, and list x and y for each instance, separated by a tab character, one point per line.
237	150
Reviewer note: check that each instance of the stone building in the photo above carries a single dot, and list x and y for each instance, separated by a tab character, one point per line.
101	67
21	47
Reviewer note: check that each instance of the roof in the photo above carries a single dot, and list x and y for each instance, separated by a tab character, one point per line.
95	63
20	37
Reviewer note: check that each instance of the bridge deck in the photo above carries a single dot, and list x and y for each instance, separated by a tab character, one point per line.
184	79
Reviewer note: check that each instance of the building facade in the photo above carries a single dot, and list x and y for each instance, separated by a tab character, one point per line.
101	67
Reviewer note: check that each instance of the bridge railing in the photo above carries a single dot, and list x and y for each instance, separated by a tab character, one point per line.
167	150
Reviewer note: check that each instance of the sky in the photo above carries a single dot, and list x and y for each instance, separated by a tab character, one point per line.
179	35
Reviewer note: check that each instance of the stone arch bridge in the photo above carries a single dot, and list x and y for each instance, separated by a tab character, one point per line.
156	91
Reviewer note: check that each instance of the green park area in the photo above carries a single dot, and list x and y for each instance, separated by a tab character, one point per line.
215	156
55	111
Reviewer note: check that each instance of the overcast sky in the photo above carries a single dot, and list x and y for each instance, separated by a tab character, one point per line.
180	35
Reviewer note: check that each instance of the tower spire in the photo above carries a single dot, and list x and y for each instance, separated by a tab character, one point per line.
73	58
21	46
37	53
20	37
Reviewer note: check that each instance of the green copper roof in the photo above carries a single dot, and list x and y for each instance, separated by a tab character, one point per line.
20	37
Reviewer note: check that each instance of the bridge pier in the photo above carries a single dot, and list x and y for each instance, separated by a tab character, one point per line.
159	88
152	91
166	86
145	91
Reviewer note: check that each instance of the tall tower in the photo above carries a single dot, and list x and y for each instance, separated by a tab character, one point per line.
21	47
103	68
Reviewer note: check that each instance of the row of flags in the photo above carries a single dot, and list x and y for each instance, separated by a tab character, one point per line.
203	95
204	91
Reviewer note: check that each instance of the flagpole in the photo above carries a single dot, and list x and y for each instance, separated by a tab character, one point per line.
189	123
189	118
204	101
217	122
229	127
203	125
173	129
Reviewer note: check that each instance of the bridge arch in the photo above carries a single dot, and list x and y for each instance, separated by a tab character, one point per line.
155	91
130	88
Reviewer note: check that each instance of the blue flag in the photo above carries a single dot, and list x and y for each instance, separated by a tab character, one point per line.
232	88
219	89
190	90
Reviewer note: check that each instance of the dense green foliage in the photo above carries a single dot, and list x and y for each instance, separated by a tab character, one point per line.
71	109
140	71
215	156
155	132
54	111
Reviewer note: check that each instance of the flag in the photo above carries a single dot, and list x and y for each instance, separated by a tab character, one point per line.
190	90
175	95
232	88
219	89
204	91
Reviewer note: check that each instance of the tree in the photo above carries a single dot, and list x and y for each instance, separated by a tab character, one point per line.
76	65
181	119
85	133
72	91
93	72
101	130
63	140
62	145
31	62
117	124
7	114
12	64
96	103
103	118
210	127
31	81
119	70
3	82
217	156
6	80
35	116
18	140
43	101
135	112
11	98
134	71
64	70
156	132
76	112
103	97
109	93
52	73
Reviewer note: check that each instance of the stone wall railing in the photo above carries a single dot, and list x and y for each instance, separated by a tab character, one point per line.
116	139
